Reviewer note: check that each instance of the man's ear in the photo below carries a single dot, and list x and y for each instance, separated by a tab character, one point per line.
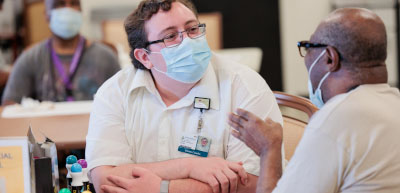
143	57
333	59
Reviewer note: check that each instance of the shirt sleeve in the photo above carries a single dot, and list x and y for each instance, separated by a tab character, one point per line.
20	82
259	100
106	141
316	166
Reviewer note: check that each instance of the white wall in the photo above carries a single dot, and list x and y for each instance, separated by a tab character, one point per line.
92	27
299	19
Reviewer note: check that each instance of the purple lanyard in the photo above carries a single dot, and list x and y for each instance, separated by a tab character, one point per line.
67	77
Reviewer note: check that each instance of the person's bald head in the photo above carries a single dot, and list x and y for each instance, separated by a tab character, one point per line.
359	36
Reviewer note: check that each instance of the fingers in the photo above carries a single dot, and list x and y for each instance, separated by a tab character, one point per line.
236	134
119	181
112	189
239	170
245	114
235	121
223	181
232	177
214	184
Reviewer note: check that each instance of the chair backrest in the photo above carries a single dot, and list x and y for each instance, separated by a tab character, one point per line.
213	23
296	112
114	33
35	22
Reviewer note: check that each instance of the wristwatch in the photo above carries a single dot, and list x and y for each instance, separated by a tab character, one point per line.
164	186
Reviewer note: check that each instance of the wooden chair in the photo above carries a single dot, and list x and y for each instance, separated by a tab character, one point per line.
36	26
114	33
296	113
213	22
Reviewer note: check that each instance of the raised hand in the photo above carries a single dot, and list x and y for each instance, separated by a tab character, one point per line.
259	135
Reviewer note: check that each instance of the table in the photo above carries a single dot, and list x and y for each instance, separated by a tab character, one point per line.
67	131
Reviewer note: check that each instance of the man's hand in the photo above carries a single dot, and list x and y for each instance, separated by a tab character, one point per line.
144	182
259	135
220	174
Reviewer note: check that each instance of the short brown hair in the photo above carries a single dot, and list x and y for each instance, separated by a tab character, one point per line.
134	23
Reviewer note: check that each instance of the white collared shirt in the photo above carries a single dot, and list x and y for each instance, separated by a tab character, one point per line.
350	145
130	123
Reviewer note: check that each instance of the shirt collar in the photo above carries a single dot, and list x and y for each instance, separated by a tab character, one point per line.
142	78
207	87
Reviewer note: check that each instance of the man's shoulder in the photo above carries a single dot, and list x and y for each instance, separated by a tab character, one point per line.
36	50
33	57
353	109
121	80
100	49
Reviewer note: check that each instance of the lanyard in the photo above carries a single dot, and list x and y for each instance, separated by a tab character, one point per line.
67	77
202	104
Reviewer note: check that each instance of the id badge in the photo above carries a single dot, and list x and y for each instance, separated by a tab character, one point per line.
195	145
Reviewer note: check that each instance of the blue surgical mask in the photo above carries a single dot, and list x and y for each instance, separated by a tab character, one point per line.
188	61
65	22
316	98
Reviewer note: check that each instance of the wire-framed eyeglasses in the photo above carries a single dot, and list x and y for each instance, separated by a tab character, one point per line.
175	38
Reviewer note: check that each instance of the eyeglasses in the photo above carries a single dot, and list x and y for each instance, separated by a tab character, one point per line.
305	45
175	38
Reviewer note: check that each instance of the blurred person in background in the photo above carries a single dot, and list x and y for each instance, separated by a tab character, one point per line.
65	67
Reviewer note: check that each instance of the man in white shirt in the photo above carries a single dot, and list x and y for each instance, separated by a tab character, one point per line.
153	114
352	143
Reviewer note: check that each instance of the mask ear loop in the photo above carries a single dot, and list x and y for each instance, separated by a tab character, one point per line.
322	80
316	61
150	52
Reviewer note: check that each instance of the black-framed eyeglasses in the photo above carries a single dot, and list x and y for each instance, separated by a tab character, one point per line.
175	38
305	45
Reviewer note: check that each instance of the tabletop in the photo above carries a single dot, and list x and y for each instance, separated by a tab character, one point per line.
67	131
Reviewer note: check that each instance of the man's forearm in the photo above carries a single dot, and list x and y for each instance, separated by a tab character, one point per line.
194	186
166	170
177	171
271	170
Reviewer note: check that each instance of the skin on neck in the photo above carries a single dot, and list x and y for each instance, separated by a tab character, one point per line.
342	81
169	89
65	47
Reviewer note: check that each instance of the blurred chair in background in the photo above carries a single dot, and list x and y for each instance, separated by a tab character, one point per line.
296	112
251	57
213	23
36	26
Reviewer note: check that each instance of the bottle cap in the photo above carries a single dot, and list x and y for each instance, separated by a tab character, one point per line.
71	159
83	163
64	190
76	168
